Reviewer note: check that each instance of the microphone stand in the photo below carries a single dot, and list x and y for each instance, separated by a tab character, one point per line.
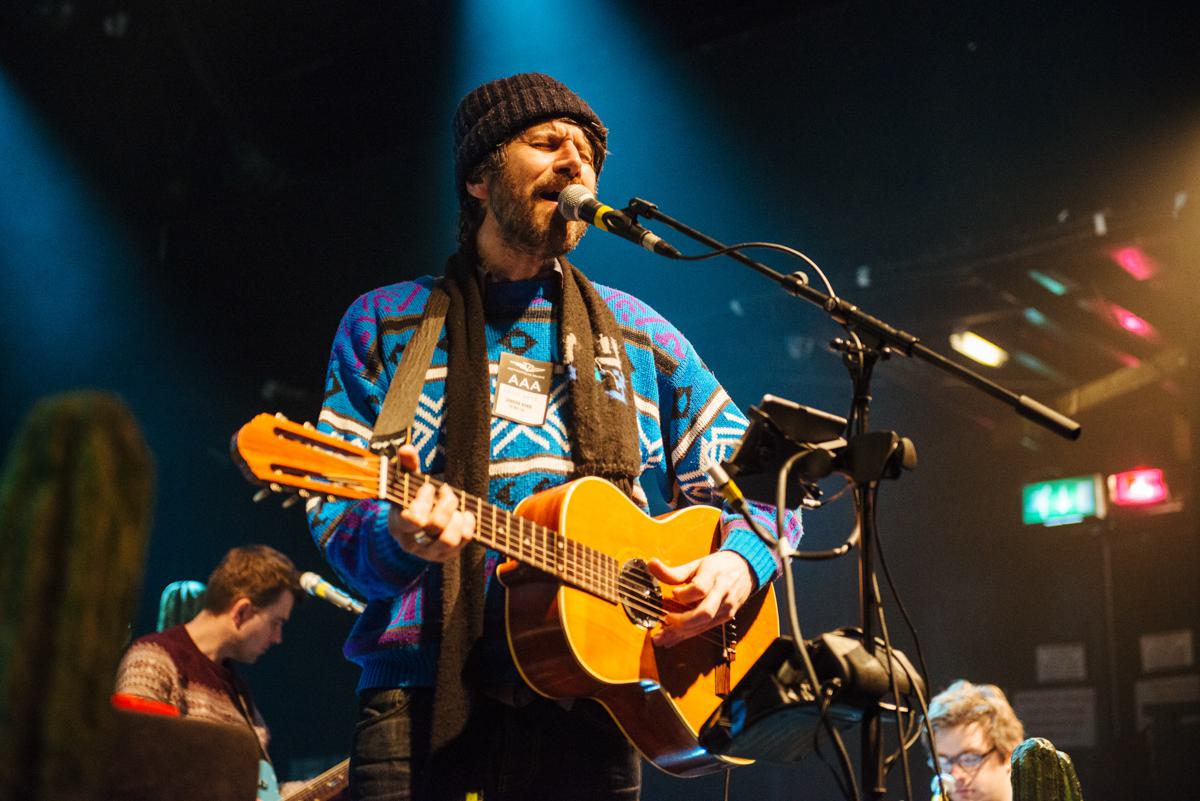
889	339
873	340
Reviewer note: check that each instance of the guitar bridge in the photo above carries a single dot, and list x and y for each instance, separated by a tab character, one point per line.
722	677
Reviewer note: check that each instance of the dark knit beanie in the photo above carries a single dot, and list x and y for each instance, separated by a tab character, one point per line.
493	113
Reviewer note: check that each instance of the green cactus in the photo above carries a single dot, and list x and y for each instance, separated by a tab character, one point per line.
1040	772
75	507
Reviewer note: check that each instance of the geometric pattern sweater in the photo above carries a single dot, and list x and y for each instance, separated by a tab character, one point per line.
167	666
686	422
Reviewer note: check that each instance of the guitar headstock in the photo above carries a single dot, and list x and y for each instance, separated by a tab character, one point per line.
287	456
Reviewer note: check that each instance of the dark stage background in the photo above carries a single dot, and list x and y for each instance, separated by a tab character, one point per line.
191	194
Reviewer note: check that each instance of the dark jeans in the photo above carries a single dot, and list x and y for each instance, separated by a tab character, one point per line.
535	751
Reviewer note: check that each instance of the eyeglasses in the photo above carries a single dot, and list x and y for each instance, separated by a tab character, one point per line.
967	760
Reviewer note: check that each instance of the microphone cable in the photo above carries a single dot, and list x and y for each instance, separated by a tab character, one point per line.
767	246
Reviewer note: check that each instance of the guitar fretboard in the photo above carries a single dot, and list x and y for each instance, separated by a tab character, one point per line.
328	785
524	540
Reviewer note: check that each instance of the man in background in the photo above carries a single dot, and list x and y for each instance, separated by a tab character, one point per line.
976	731
190	666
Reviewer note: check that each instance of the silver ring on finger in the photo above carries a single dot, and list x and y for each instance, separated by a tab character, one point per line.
421	538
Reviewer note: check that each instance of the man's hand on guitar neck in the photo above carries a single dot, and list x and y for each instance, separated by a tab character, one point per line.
709	591
431	527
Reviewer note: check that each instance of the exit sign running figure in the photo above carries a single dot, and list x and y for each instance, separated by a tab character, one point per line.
1066	500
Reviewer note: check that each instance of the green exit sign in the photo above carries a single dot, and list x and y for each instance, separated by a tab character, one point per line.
1067	500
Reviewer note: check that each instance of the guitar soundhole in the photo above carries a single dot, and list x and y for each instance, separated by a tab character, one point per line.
640	596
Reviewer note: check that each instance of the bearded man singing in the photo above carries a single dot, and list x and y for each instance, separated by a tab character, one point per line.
443	711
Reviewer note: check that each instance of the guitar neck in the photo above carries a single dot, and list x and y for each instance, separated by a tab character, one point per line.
524	540
328	785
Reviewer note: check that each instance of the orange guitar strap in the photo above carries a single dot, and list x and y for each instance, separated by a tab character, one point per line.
393	427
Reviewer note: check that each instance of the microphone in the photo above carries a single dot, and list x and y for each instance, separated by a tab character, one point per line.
939	781
577	203
318	587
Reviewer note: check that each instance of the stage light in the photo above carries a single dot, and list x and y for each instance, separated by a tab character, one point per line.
1135	262
1035	364
1131	322
1052	285
1144	486
1064	501
1128	360
975	347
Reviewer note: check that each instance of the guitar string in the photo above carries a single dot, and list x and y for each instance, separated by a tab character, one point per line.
628	593
315	787
530	539
631	588
585	574
586	567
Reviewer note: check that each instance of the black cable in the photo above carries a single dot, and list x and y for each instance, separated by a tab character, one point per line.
839	745
912	629
722	251
821	691
888	653
841	550
784	548
734	497
789	582
914	728
838	776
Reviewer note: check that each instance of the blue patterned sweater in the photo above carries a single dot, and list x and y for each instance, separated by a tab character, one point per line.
686	421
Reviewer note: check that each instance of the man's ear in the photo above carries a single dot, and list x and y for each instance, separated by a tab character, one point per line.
478	190
241	611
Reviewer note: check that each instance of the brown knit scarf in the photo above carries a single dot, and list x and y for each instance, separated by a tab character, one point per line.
605	443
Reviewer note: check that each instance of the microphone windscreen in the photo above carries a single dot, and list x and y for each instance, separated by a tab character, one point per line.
309	581
571	199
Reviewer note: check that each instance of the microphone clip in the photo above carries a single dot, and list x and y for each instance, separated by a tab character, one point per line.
638	207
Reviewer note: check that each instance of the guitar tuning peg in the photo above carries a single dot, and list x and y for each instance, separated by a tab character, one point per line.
309	425
275	487
280	416
261	494
290	501
304	493
331	498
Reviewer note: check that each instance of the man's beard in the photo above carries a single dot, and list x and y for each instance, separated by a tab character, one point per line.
523	222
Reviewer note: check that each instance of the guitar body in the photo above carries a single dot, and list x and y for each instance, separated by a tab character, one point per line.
568	643
268	783
332	785
580	603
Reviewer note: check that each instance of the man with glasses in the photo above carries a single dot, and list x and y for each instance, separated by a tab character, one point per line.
976	731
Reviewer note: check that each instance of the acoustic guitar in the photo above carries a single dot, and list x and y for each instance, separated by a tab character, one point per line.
579	621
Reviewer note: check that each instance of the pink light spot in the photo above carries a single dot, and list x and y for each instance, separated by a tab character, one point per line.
1140	487
1131	322
1129	360
1135	262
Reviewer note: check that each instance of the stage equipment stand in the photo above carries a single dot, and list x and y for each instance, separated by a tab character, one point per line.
870	340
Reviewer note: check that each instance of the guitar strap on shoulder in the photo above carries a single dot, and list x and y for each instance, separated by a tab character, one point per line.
393	427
